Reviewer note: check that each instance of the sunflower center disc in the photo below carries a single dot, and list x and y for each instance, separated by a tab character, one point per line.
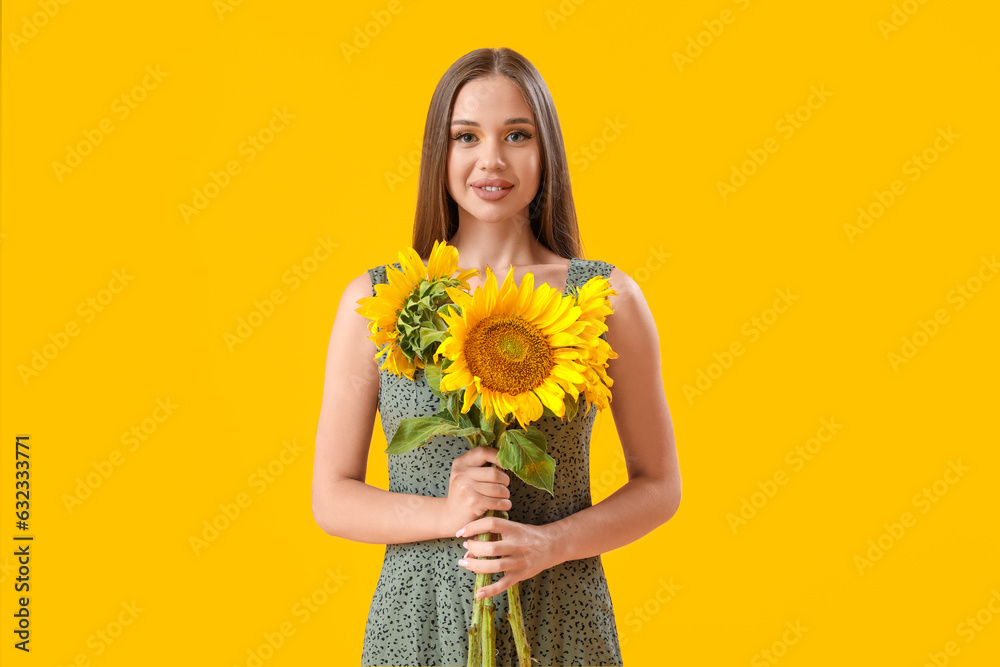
508	354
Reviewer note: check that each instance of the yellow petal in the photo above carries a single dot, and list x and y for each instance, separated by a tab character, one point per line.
562	338
567	319
567	372
470	397
555	311
525	293
507	296
540	300
552	398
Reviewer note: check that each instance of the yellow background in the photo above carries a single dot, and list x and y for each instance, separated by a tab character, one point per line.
692	592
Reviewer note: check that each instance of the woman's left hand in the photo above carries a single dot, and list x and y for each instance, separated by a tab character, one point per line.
524	551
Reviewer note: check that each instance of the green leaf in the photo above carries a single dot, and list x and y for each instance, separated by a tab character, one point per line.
439	323
534	434
465	422
433	374
430	340
429	335
523	454
498	426
425	305
487	437
454	405
475	418
418	431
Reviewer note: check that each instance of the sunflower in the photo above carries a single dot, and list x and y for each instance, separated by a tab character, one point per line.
595	307
405	287
520	350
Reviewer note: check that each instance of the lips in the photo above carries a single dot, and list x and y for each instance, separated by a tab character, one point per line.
481	186
492	183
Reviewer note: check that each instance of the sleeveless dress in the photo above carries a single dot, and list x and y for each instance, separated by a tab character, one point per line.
422	605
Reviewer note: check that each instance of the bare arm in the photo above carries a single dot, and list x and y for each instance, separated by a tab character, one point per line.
343	504
653	491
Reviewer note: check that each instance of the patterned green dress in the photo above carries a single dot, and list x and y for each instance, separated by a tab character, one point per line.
422	604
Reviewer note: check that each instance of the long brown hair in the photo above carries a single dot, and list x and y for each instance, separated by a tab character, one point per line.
552	213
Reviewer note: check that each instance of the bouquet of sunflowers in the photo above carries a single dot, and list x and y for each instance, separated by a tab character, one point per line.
502	354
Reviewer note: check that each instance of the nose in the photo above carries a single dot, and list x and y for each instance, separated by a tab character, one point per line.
491	155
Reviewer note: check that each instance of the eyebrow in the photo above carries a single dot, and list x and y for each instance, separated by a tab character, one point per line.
510	121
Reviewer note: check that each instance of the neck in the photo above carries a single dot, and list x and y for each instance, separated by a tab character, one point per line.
497	244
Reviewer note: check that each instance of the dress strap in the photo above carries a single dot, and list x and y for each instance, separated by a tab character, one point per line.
379	276
583	270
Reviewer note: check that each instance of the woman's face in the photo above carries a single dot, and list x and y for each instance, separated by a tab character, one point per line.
493	139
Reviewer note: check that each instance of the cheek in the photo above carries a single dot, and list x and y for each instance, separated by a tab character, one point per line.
534	168
454	171
533	163
457	166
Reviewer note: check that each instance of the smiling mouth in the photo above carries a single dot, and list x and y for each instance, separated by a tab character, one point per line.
491	188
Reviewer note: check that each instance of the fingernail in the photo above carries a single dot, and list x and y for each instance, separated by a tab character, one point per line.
461	531
467	554
465	544
463	562
481	594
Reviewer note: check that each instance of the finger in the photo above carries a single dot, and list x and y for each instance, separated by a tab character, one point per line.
483	565
486	524
483	549
496	588
480	456
490	453
487	483
494	497
489	474
486	503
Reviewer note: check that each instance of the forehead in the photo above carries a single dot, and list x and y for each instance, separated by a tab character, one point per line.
490	99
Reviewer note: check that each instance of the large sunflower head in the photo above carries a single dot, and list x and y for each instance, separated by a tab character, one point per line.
405	323
518	350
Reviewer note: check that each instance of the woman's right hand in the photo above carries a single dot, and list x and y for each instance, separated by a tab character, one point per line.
474	487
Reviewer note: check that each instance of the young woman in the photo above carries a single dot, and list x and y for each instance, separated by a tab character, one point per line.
494	183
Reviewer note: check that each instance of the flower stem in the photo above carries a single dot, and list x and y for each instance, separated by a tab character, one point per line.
517	625
514	592
489	637
515	617
475	642
482	632
487	628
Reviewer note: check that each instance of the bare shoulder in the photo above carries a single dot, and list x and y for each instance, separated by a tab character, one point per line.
350	326
357	288
351	353
631	326
627	295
